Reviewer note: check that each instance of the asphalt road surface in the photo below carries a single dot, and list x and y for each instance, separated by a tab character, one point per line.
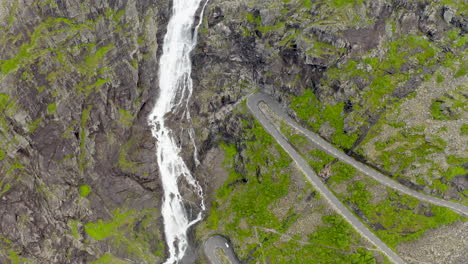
219	242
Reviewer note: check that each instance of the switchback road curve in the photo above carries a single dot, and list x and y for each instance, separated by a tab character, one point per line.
218	242
253	105
255	99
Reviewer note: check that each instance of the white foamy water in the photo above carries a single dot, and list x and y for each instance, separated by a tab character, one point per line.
175	87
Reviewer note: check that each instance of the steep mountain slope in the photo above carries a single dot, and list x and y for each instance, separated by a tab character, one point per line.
79	179
383	80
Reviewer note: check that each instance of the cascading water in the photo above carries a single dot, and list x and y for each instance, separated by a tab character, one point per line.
175	86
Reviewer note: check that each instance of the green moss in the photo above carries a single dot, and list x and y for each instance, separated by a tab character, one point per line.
257	20
118	16
321	49
73	224
94	86
307	107
2	154
341	172
440	186
125	118
124	163
455	171
318	159
29	51
12	171
230	152
109	259
310	109
8	108
412	147
460	6
396	214
102	230
294	137
440	78
5	105
4	187
456	160
273	28
34	124
129	232
462	71
325	245
343	3
83	135
446	107
266	182
94	59
13	257
51	108
464	130
84	190
307	4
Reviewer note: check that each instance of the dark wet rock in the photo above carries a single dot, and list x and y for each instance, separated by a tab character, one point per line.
377	226
460	182
410	184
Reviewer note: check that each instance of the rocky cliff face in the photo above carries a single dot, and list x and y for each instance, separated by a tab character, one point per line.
78	175
383	80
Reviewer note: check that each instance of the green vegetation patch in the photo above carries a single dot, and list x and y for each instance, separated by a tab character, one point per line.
395	218
464	130
51	108
460	6
318	159
343	3
398	218
310	109
129	231
342	172
451	106
31	50
109	259
125	163
125	118
102	230
84	190
262	187
330	243
244	208
8	107
83	136
74	228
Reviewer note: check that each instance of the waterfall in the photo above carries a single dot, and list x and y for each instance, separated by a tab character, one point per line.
175	89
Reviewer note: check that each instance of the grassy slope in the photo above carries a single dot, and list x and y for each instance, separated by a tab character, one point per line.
260	208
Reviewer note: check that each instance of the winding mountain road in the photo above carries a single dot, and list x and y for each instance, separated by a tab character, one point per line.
218	242
253	105
255	99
